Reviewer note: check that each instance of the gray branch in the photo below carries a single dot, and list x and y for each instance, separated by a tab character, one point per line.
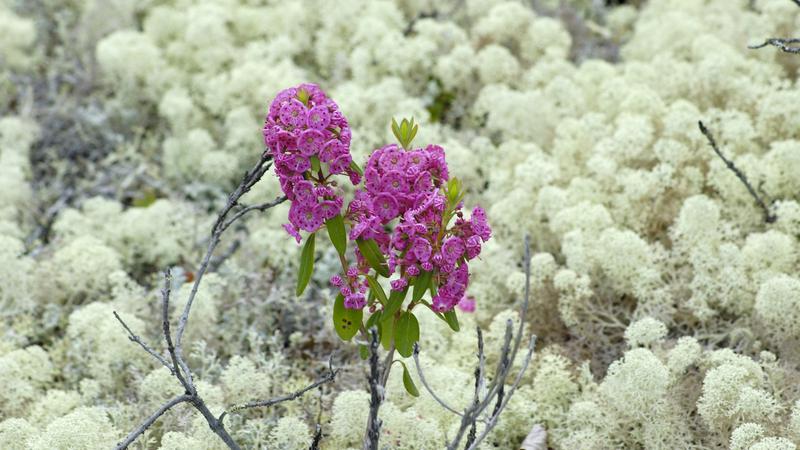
784	44
182	372
376	390
768	217
179	368
250	178
151	420
329	377
496	391
425	384
317	438
133	337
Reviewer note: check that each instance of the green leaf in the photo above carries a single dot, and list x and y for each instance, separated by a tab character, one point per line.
373	320
346	321
372	253
356	167
306	264
376	288
147	198
387	331
337	233
408	383
363	352
396	299
303	95
453	191
406	333
421	284
315	163
452	319
396	130
405	131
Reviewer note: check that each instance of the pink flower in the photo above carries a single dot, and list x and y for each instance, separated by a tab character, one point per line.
398	284
473	247
467	304
422	249
304	193
318	117
453	248
294	232
293	113
299	163
310	142
331	150
393	158
303	122
327	209
395	181
308	219
479	224
416	161
385	207
355	301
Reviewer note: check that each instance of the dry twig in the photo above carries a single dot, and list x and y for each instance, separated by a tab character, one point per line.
768	216
178	366
784	44
376	391
496	393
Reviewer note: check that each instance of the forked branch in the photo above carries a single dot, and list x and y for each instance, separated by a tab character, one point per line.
177	364
784	44
498	394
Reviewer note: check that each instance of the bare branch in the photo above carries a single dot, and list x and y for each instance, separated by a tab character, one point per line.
250	178
499	410
217	261
329	377
376	391
317	438
260	207
502	402
425	384
45	223
215	424
782	43
478	386
496	392
178	363
768	217
134	338
150	420
179	367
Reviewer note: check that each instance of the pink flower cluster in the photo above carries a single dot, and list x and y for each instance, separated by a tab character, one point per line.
353	287
304	127
407	206
407	185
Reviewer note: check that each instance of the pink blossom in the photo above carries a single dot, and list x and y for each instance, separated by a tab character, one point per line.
467	304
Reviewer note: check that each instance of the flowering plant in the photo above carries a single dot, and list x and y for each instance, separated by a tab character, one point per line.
406	220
